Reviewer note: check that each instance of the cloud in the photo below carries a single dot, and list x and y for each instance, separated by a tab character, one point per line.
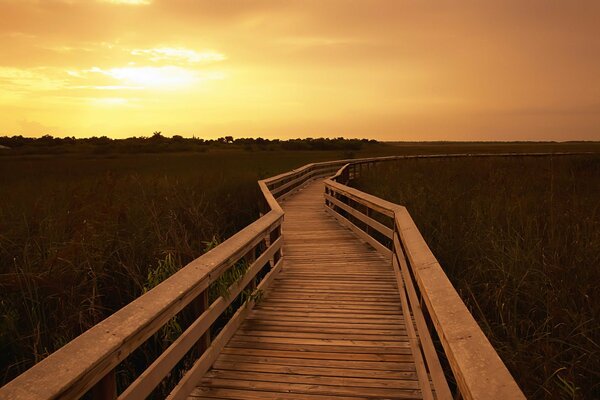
34	128
128	2
108	101
167	77
179	54
19	79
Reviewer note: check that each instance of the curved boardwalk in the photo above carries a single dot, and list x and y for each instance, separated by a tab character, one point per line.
330	327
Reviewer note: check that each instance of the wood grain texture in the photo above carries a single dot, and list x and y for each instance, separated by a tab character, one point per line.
332	324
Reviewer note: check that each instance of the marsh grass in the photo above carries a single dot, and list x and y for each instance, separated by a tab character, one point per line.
520	240
81	236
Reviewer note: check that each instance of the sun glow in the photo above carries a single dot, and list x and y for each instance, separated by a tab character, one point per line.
402	70
151	77
129	2
179	54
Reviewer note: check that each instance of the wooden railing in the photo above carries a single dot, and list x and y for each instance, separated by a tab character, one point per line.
426	294
87	364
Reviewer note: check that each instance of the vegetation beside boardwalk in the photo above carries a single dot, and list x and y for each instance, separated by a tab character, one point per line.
81	235
85	231
520	240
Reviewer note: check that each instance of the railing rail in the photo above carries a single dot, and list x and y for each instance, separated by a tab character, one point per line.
87	363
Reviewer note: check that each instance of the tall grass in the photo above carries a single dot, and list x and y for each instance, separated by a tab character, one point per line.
81	236
520	240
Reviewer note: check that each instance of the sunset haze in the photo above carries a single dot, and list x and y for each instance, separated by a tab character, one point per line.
389	70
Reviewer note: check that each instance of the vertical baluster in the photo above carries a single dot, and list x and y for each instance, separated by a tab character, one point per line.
249	258
368	214
267	245
106	388
203	304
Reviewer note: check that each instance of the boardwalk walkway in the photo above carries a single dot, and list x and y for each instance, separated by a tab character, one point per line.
330	327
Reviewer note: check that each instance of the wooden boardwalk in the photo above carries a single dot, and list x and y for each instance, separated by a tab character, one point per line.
331	325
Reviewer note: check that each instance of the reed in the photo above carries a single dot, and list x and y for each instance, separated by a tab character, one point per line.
520	240
81	235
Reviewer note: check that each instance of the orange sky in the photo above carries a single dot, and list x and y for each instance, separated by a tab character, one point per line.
390	70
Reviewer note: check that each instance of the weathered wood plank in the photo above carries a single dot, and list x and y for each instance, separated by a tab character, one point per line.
332	324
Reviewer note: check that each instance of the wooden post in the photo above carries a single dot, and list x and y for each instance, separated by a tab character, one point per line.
267	245
106	388
368	213
197	308
275	234
203	304
249	258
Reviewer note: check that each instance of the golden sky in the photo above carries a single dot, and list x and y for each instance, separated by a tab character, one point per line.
389	70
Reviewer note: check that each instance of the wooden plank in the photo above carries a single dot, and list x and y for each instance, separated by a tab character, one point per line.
367	315
318	348
244	394
322	355
324	323
272	367
372	335
339	344
338	366
303	388
291	377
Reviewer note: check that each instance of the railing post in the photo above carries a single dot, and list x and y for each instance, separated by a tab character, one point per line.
368	214
267	245
198	306
278	233
203	304
249	258
106	388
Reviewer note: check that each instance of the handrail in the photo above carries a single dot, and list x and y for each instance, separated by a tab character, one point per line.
425	291
88	362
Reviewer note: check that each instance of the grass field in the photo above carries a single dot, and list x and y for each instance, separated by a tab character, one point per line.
520	240
81	235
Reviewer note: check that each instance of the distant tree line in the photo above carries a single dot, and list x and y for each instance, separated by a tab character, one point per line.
157	142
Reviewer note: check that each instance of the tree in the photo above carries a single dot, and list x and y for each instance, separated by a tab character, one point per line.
157	135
